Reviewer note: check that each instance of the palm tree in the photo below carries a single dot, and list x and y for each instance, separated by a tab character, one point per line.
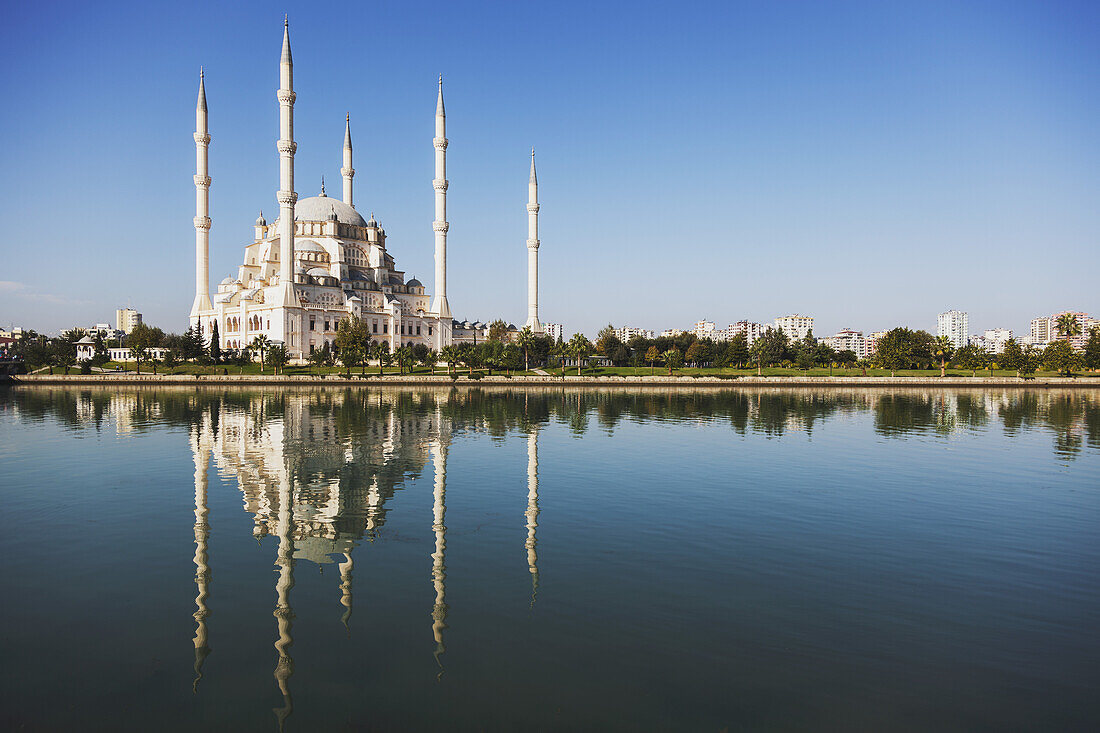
942	349
260	344
524	340
450	355
380	350
1067	326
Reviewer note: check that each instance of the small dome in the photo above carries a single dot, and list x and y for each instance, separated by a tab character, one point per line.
414	283
320	208
227	281
307	245
260	220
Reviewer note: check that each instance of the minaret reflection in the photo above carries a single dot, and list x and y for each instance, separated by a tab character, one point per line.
284	668
533	510
345	589
200	449
439	566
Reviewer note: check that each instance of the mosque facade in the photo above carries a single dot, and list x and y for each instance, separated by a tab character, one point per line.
320	261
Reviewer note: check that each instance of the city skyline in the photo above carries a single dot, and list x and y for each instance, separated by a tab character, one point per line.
925	182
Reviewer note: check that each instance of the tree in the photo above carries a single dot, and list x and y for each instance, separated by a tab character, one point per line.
430	359
620	355
380	350
651	356
261	345
525	340
404	357
470	357
895	350
140	340
1061	357
277	356
673	359
846	358
498	329
769	349
450	354
1013	356
420	354
972	357
511	358
580	348
607	341
101	356
737	351
316	358
349	342
191	348
943	349
215	344
1092	349
694	354
64	354
1067	326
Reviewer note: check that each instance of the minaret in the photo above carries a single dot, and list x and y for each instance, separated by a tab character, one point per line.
439	557
441	307
286	195
533	250
347	171
202	207
345	588
532	509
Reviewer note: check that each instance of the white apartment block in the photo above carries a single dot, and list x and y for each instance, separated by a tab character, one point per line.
795	326
848	340
707	330
1040	331
555	331
870	344
626	333
751	331
126	319
672	332
955	325
994	339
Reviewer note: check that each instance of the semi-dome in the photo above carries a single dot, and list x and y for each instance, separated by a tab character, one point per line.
319	272
307	245
320	208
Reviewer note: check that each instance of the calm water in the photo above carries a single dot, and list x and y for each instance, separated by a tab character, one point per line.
547	560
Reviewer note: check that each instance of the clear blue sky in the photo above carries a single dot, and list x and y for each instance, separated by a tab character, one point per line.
867	163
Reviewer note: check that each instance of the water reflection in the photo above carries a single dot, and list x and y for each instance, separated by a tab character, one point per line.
318	470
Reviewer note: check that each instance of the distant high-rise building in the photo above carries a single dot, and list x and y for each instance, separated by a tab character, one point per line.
556	331
705	329
995	339
626	333
751	331
870	344
848	340
1083	325
795	326
1040	331
126	319
955	325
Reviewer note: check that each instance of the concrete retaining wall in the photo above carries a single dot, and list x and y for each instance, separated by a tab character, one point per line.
1091	381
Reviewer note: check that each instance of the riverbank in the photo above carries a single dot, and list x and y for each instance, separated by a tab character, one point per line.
1089	381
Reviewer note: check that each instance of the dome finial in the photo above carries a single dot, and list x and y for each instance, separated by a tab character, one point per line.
322	185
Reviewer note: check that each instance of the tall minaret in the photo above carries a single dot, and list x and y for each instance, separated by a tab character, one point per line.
202	207
347	171
441	306
286	195
533	250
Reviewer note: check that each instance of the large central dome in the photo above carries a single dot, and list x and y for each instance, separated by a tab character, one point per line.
320	208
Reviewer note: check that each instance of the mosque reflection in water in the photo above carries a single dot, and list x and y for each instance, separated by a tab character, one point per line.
319	479
317	469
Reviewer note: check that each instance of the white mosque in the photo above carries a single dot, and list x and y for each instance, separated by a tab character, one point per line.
321	261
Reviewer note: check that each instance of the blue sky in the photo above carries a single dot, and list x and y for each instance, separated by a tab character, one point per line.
867	163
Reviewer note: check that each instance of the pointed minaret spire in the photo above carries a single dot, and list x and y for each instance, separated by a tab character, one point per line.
283	328
441	307
202	206
322	184
533	250
347	171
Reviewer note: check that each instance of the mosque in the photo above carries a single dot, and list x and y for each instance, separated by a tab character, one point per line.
320	261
